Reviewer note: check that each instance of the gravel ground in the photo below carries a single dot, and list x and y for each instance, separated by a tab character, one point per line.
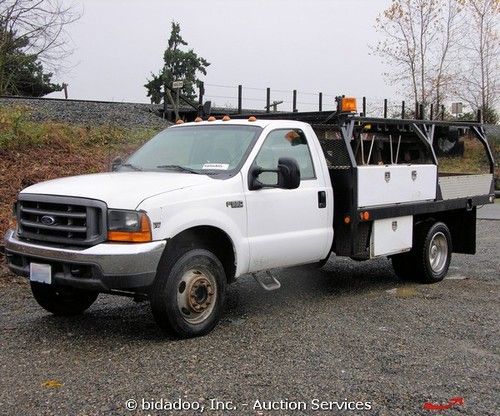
350	331
90	112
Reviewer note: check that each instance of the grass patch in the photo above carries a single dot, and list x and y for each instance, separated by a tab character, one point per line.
32	152
474	159
18	133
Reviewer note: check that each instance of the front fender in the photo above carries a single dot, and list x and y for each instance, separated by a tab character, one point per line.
176	223
209	205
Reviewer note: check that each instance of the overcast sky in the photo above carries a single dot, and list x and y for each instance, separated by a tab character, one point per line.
311	46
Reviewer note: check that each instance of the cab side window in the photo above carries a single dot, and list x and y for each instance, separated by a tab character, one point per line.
284	143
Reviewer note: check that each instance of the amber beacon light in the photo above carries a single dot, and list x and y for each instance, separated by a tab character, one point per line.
348	105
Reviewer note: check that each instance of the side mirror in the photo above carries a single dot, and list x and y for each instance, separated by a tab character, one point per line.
288	172
116	163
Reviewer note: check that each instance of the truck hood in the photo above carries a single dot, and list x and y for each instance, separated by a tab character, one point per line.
125	190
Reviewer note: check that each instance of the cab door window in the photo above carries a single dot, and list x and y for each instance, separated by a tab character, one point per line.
284	143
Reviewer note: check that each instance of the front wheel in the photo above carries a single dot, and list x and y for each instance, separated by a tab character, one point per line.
61	300
188	293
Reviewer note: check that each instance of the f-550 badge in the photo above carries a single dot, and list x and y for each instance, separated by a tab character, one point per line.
234	204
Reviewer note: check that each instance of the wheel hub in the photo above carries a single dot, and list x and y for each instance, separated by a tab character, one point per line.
438	252
434	250
196	295
200	294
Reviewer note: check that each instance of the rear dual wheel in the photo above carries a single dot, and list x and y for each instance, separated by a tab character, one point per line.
430	257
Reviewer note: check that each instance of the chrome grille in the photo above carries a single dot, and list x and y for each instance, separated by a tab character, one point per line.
63	220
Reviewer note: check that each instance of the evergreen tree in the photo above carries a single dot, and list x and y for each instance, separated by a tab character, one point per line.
22	73
179	65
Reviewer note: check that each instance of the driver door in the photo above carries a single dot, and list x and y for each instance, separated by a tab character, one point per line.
286	227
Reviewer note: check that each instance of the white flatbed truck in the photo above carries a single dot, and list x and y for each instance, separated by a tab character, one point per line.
206	202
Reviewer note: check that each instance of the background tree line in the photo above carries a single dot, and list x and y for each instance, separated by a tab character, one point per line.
436	51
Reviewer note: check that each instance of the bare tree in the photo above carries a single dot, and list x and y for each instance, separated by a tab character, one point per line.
42	24
420	37
479	81
448	50
33	39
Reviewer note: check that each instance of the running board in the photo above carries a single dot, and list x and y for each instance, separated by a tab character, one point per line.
266	280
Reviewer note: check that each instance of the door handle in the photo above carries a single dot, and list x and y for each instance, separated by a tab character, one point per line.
321	199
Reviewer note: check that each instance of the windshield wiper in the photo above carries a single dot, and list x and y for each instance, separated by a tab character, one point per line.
179	168
129	165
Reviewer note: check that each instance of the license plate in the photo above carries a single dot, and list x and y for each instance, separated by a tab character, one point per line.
41	273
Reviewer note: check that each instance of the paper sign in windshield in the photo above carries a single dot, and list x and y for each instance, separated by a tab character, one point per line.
216	166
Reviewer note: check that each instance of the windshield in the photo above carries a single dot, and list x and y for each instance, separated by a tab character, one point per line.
195	149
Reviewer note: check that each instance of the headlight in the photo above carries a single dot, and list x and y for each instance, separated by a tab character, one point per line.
128	226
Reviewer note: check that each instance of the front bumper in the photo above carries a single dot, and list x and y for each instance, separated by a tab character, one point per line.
103	267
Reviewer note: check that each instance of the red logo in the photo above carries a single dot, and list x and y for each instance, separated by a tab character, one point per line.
454	401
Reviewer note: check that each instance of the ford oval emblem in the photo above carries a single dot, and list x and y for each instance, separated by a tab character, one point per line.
48	220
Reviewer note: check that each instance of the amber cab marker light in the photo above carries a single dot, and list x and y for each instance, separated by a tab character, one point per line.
226	118
348	105
179	121
347	219
198	120
364	216
211	118
252	118
142	236
292	135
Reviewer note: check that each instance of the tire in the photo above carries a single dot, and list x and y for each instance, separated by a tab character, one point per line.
188	293
404	266
430	257
61	300
432	252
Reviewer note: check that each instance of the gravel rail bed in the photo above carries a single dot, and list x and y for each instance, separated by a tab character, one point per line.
90	112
